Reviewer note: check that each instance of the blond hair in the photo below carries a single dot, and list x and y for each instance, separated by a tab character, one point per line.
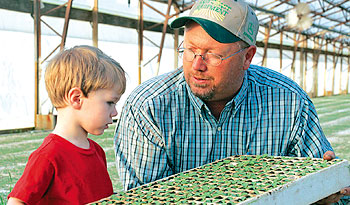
85	67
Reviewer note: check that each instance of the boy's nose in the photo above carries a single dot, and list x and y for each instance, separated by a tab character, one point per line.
115	112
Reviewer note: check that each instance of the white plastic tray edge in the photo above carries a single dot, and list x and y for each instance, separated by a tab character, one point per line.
307	189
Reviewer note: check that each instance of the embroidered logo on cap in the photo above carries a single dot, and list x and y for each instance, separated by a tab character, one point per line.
250	31
213	9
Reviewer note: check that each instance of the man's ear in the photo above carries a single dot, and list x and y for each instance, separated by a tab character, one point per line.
249	54
75	97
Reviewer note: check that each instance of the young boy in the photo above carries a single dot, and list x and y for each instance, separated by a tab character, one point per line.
84	85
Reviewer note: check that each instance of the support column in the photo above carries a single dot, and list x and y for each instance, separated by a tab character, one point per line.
176	44
165	25
296	42
347	76
340	74
95	24
340	58
305	67
46	122
66	22
140	37
266	41
325	70
315	57
176	41
302	61
37	56
334	65
281	51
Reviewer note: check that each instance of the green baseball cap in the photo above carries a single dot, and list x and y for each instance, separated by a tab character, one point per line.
227	21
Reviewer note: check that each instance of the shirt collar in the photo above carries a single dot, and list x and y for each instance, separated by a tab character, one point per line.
242	93
196	101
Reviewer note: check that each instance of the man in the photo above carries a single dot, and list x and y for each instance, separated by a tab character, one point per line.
216	106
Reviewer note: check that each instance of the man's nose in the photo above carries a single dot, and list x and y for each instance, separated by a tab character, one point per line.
198	63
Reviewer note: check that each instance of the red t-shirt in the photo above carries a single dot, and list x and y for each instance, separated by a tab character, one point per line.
59	172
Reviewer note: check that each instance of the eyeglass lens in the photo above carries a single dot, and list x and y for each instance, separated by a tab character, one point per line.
208	58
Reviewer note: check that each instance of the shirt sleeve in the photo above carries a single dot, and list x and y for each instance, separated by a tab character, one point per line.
35	180
308	139
141	155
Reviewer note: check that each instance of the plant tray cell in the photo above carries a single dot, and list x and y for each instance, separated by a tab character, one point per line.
245	179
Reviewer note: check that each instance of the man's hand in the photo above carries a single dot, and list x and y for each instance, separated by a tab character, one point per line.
329	155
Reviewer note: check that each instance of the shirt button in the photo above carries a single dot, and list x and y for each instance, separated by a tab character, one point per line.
219	128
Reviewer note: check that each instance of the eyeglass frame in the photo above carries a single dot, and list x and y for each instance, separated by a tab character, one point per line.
202	55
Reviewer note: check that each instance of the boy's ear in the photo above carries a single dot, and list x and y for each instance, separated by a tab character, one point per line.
75	97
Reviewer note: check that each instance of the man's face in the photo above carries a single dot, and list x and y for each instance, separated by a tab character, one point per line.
212	83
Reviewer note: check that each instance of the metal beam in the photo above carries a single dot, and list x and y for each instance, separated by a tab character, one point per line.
314	25
83	15
165	24
66	22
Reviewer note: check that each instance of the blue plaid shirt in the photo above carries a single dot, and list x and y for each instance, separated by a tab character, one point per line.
164	129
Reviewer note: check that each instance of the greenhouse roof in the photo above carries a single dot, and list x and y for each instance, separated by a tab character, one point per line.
328	19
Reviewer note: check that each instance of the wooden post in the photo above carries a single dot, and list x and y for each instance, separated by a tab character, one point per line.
66	22
315	57
325	70
281	51
176	44
46	122
304	70
165	25
37	56
302	61
340	73
176	41
340	57
266	41
296	42
95	24
334	65
347	76
140	37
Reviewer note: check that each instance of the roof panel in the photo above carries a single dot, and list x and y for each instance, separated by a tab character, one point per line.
331	19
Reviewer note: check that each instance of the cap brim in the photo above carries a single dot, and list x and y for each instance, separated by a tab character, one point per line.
216	31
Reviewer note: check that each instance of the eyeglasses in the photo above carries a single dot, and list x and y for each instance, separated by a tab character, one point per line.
211	59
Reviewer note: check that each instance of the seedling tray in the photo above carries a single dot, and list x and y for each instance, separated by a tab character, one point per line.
245	179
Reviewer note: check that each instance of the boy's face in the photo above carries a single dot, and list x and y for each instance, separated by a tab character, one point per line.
98	109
